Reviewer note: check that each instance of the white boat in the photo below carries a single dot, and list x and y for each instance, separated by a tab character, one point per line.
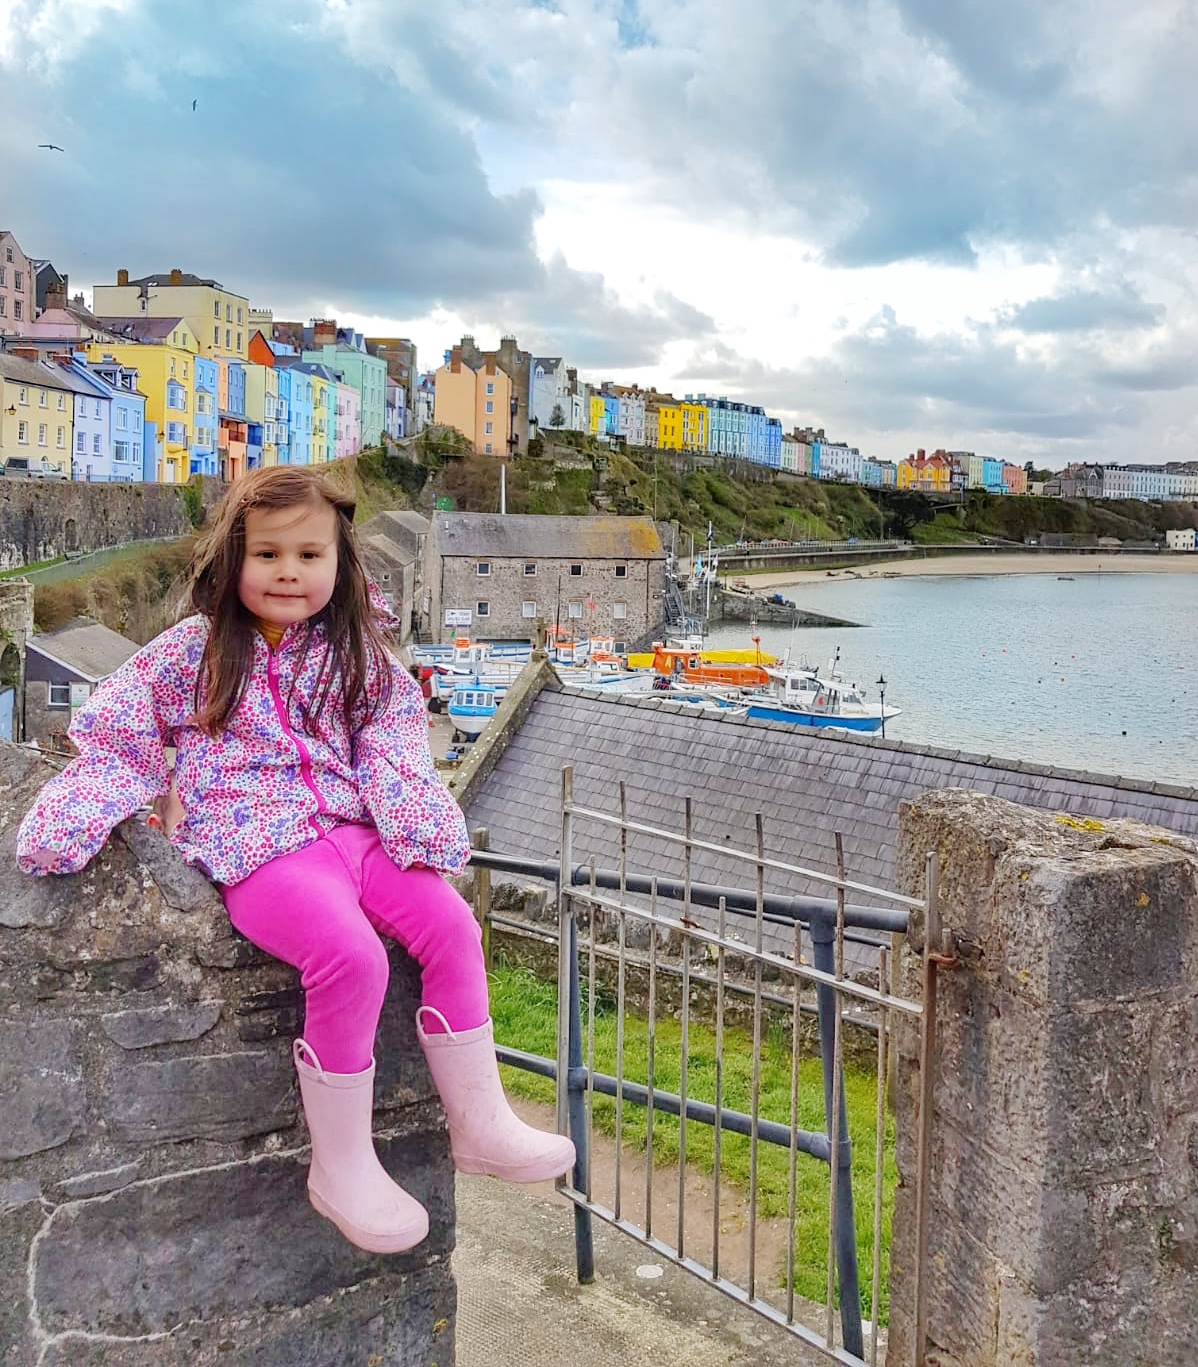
801	697
464	653
472	706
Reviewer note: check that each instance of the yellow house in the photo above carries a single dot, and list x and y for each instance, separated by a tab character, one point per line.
929	474
324	401
37	412
477	403
669	425
166	376
598	418
218	318
262	408
694	426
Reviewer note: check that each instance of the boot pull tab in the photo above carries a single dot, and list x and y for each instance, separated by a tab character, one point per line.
432	1010
302	1052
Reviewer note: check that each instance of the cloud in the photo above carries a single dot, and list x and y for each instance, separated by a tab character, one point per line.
1084	310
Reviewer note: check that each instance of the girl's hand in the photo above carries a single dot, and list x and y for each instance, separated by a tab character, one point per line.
167	812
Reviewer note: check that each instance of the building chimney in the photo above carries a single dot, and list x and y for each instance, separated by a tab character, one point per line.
26	353
176	276
56	295
324	332
122	276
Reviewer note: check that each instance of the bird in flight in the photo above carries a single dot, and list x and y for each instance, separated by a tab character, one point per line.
51	147
193	105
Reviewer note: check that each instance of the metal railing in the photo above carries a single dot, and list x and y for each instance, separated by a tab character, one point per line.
637	947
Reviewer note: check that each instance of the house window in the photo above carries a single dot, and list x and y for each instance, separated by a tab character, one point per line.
575	571
216	332
487	429
619	611
3	303
483	568
482	609
23	433
41	434
79	441
239	317
490	407
239	341
43	399
62	437
216	310
528	608
23	395
120	450
530	568
575	609
122	419
490	386
59	694
621	571
487	450
99	410
228	339
18	309
96	444
62	403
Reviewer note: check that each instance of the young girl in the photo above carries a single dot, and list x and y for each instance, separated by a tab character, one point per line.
306	791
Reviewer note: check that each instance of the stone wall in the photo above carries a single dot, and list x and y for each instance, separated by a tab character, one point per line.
1063	1164
152	1153
40	520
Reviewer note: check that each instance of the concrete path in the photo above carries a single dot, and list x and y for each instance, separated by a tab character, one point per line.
520	1304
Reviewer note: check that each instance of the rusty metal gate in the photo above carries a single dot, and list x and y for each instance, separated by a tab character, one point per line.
647	964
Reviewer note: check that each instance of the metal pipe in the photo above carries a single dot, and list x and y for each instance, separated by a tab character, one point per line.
774	905
823	941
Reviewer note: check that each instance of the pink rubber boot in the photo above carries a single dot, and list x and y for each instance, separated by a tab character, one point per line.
485	1135
346	1182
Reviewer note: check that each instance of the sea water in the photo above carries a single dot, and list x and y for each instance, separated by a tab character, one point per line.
1098	672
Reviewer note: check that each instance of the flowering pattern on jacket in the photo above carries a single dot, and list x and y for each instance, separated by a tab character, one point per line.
266	786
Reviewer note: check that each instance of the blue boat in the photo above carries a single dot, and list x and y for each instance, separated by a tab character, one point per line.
801	697
472	706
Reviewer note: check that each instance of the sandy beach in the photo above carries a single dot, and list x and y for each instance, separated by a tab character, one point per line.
979	564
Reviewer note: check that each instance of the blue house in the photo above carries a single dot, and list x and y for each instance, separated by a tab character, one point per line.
204	458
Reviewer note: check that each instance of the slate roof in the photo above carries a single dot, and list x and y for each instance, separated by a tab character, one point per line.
139	328
18	369
567	538
808	786
85	646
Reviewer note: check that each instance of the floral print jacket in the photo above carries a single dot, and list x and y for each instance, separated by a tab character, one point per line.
265	787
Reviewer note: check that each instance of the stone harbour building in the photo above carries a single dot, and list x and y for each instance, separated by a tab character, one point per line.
504	577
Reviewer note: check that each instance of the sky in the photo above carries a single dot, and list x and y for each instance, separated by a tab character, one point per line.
914	223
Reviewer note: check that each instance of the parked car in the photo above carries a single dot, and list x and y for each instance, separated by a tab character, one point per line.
25	467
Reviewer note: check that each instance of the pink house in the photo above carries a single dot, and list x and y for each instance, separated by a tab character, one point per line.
348	438
17	291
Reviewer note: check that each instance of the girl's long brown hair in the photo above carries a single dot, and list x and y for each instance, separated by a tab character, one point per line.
356	646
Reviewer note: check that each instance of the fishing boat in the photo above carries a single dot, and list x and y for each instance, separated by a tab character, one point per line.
801	697
685	665
465	653
471	707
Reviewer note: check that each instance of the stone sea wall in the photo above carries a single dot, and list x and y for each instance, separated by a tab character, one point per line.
152	1150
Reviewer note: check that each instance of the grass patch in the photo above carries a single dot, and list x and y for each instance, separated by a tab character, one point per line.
525	1013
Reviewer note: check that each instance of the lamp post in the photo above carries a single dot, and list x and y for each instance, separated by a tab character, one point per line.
882	692
512	443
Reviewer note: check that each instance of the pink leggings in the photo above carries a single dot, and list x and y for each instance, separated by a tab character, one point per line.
323	908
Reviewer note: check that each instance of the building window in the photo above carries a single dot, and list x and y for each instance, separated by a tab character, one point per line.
575	609
41	434
23	433
239	317
216	334
43	399
79	440
239	341
3	303
575	571
619	611
482	609
96	444
621	571
483	567
58	694
228	339
528	608
216	312
62	403
487	450
99	410
23	395
18	309
490	386
488	429
530	568
120	450
490	407
122	419
62	437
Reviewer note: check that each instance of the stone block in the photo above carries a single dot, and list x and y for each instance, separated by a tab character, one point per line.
41	1082
160	1024
217	1244
215	1096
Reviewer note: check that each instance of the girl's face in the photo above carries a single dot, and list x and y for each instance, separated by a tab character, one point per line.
290	566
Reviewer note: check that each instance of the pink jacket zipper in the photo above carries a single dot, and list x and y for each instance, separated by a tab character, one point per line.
272	675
